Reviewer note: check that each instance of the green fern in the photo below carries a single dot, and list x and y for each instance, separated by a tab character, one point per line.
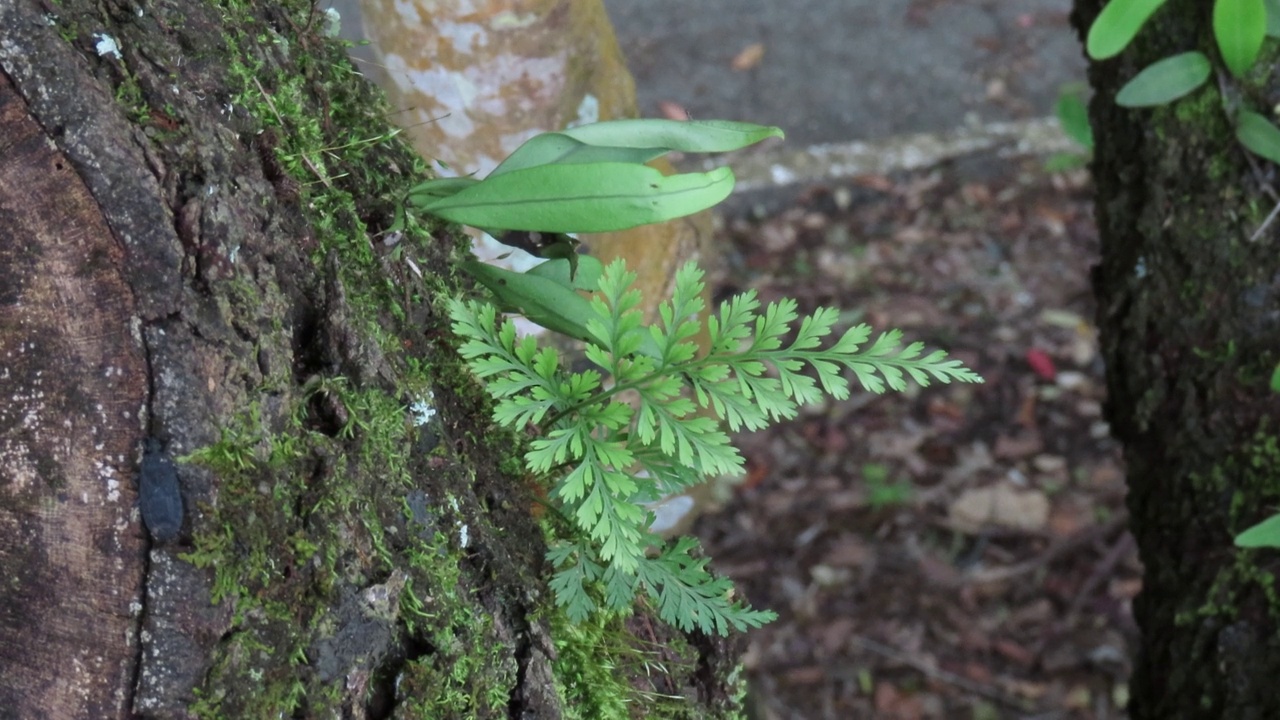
611	447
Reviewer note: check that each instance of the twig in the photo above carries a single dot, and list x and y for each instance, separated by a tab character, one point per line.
940	675
280	119
1100	572
1261	228
1056	551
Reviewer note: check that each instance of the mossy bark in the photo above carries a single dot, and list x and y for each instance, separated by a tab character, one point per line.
1188	292
193	205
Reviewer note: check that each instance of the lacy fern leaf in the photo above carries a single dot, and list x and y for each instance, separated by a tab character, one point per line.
652	427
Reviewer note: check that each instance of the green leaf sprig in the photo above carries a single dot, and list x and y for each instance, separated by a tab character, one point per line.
636	430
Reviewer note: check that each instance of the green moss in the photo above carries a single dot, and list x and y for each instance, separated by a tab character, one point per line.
326	485
1253	472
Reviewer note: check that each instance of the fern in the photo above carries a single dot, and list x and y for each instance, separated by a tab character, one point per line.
649	431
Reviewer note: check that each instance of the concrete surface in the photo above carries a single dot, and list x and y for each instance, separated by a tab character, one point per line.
842	70
877	79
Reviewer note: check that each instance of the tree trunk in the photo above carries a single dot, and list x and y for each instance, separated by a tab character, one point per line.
193	199
1190	334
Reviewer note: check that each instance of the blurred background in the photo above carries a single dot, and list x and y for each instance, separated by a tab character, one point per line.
957	552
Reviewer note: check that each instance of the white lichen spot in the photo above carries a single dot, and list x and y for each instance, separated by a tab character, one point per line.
464	536
588	111
408	12
781	175
422	410
462	35
510	20
333	22
233	254
413	266
107	45
1140	268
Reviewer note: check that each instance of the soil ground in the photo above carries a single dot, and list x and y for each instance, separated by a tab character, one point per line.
957	552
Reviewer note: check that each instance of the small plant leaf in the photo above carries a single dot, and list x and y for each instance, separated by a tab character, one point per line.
682	135
1117	25
1275	379
1062	162
1165	80
1074	117
1239	26
586	277
1264	534
1259	135
547	302
596	197
559	148
1273	18
425	192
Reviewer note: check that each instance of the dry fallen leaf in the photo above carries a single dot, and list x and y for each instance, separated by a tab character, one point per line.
749	57
672	111
1001	506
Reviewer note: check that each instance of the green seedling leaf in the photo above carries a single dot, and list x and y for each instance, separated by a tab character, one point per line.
425	192
559	148
1273	18
1239	26
1116	26
552	304
1259	135
1165	81
1062	162
1264	534
597	197
546	300
1074	117
586	277
1275	379
682	135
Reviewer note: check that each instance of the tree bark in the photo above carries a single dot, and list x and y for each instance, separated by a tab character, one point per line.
1190	331
193	258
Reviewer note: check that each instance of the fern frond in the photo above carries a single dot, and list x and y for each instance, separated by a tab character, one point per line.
617	456
689	597
570	583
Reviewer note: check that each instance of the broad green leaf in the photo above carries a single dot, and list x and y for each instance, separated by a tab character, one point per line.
1166	80
1239	26
682	135
1275	379
598	197
1259	135
1116	26
586	277
1273	18
559	148
1264	534
1074	117
544	301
